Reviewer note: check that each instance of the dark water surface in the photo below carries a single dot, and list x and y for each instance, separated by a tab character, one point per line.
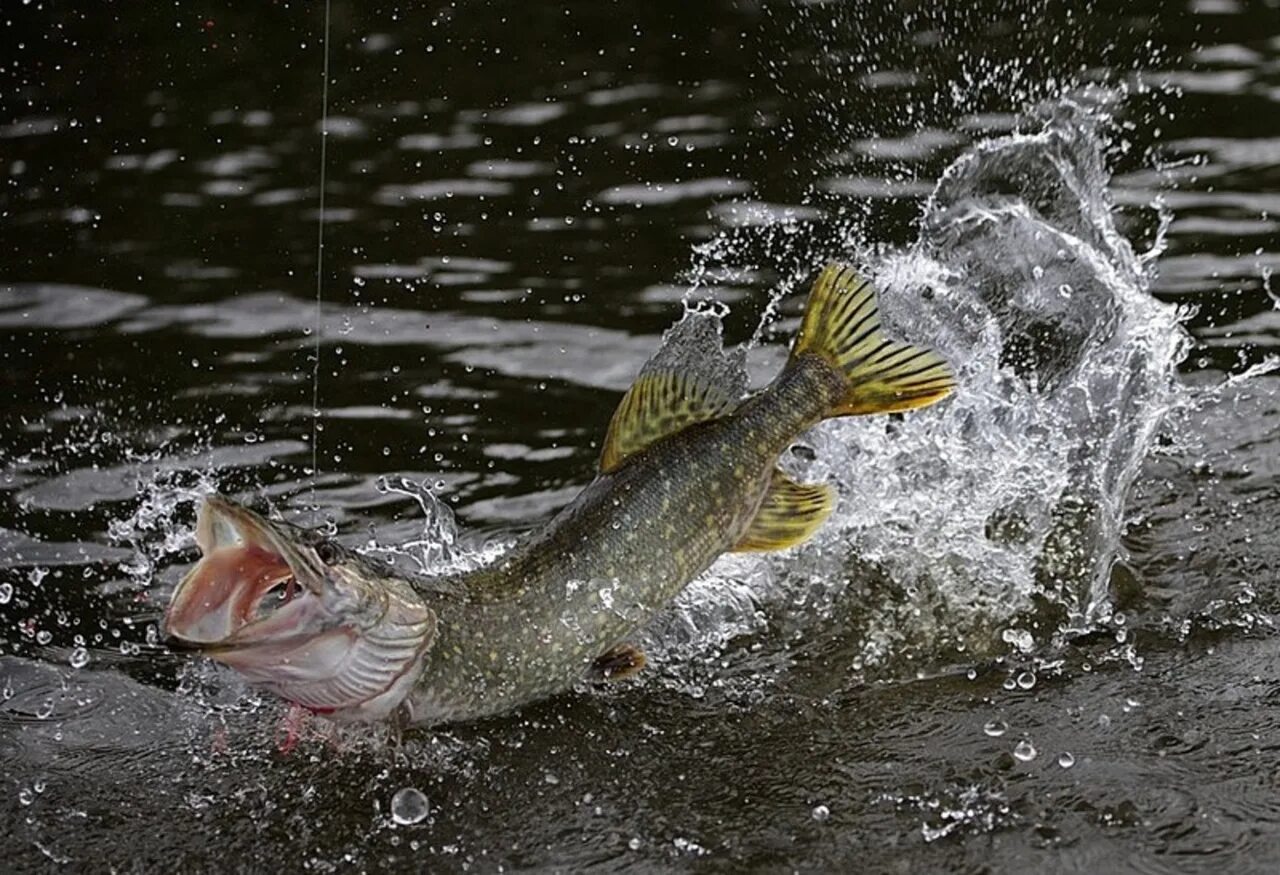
1039	631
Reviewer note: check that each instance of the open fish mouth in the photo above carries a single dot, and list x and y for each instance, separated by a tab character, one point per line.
244	576
327	635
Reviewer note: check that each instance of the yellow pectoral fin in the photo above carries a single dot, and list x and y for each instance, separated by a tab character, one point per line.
790	515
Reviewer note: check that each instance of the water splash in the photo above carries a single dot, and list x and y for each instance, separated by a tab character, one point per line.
153	531
438	546
1003	507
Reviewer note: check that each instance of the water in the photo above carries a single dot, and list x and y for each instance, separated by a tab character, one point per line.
1037	633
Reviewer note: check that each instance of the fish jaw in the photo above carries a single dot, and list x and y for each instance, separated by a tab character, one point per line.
333	637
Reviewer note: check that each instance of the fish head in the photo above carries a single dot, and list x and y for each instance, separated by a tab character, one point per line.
297	613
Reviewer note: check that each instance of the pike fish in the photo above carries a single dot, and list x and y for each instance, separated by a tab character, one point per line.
688	471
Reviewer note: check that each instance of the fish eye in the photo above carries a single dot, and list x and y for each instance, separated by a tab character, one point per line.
326	552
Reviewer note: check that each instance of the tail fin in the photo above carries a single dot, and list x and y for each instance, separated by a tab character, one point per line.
842	326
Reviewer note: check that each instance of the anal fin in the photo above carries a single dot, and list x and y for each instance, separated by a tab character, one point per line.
790	514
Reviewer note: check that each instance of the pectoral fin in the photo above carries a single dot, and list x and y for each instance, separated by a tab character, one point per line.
619	662
790	514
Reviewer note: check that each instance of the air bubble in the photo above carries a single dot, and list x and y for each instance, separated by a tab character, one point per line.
1066	760
995	728
1025	751
409	806
1019	638
821	813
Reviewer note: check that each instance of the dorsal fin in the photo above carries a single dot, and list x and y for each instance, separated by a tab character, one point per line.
691	378
790	513
658	404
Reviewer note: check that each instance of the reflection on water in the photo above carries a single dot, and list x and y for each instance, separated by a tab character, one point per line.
520	197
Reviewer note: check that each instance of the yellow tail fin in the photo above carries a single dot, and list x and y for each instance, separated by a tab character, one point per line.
842	326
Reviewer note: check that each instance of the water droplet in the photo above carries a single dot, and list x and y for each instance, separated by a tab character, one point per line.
1027	680
1019	638
995	728
1066	760
821	813
25	796
634	844
79	657
44	636
409	806
6	593
1025	751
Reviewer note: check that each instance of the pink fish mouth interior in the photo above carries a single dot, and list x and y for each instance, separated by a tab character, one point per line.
239	580
228	592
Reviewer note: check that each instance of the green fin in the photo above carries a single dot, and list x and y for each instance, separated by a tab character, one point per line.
790	514
842	326
658	404
618	662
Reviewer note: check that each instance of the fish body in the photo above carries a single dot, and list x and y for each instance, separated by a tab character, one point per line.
688	472
617	554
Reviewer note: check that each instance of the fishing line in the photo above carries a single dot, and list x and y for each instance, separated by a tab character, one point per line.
317	328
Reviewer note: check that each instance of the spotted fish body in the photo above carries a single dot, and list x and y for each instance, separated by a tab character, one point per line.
620	552
659	514
688	471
